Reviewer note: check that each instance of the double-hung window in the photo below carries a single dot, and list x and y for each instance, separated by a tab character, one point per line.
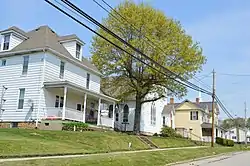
25	65
194	115
61	75
6	42
88	78
21	98
78	50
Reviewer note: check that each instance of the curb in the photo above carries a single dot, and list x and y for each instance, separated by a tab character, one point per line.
202	158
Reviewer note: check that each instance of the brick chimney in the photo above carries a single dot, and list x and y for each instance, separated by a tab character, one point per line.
171	100
197	100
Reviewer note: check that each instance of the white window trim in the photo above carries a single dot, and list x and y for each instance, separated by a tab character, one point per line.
153	114
20	109
62	77
25	74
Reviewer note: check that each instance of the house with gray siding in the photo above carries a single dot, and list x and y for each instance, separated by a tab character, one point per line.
44	76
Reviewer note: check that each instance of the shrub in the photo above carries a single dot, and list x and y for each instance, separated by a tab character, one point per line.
169	132
224	142
78	126
155	134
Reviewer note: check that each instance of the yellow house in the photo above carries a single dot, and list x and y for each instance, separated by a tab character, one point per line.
193	119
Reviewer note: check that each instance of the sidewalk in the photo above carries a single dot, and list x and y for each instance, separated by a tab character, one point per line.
97	154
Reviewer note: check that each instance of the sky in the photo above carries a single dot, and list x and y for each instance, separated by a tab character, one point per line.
221	27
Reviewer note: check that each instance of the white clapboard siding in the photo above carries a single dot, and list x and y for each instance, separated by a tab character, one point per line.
72	73
12	78
70	47
14	41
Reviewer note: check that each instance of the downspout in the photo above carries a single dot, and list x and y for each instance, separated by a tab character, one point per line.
41	88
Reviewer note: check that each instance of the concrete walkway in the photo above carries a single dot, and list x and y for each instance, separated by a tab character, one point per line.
97	154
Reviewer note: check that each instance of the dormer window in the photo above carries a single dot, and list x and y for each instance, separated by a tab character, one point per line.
6	42
78	50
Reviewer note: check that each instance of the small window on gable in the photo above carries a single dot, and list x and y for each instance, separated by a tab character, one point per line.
6	42
4	62
78	50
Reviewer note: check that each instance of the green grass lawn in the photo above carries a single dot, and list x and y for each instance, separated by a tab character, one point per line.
30	142
159	158
164	142
21	141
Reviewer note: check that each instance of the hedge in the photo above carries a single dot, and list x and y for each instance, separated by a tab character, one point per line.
224	142
78	126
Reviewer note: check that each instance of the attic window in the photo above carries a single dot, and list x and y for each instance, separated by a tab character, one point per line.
6	42
37	29
78	50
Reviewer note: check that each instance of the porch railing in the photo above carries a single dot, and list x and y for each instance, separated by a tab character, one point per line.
73	114
106	121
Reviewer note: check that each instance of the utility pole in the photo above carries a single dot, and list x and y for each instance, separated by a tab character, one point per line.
245	123
213	107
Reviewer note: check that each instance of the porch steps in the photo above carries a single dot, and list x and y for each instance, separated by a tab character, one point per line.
145	140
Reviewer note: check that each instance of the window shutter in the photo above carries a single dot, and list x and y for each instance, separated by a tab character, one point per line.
197	115
190	115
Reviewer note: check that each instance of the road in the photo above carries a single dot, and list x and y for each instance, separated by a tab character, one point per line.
235	159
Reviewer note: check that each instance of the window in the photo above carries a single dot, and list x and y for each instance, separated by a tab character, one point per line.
78	50
21	98
88	78
14	124
153	114
46	124
194	115
164	120
232	132
4	62
125	113
57	102
78	107
25	64
111	111
116	113
6	42
234	137
61	70
61	102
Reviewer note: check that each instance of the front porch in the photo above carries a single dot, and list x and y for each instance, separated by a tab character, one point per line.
66	101
207	132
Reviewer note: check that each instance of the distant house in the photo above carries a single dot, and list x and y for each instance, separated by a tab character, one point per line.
45	76
237	135
194	120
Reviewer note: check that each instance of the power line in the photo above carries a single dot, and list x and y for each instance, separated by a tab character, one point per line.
61	10
190	85
236	75
130	46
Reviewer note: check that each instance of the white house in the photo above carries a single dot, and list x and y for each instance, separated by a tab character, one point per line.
237	136
45	76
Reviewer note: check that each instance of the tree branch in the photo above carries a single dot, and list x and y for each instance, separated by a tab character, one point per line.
154	99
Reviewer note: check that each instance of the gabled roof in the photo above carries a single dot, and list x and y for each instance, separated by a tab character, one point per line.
16	29
44	37
70	37
201	105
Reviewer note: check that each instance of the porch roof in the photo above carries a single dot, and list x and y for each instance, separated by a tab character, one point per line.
61	84
209	126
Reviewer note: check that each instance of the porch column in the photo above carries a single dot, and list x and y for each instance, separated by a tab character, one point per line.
84	108
64	102
99	112
113	120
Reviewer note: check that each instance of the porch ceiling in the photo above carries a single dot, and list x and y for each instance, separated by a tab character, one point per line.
62	84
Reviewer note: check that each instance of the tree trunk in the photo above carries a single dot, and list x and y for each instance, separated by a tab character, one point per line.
137	118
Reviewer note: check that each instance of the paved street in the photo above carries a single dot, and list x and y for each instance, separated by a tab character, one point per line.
236	159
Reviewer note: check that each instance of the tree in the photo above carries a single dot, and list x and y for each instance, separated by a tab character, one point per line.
230	123
133	78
